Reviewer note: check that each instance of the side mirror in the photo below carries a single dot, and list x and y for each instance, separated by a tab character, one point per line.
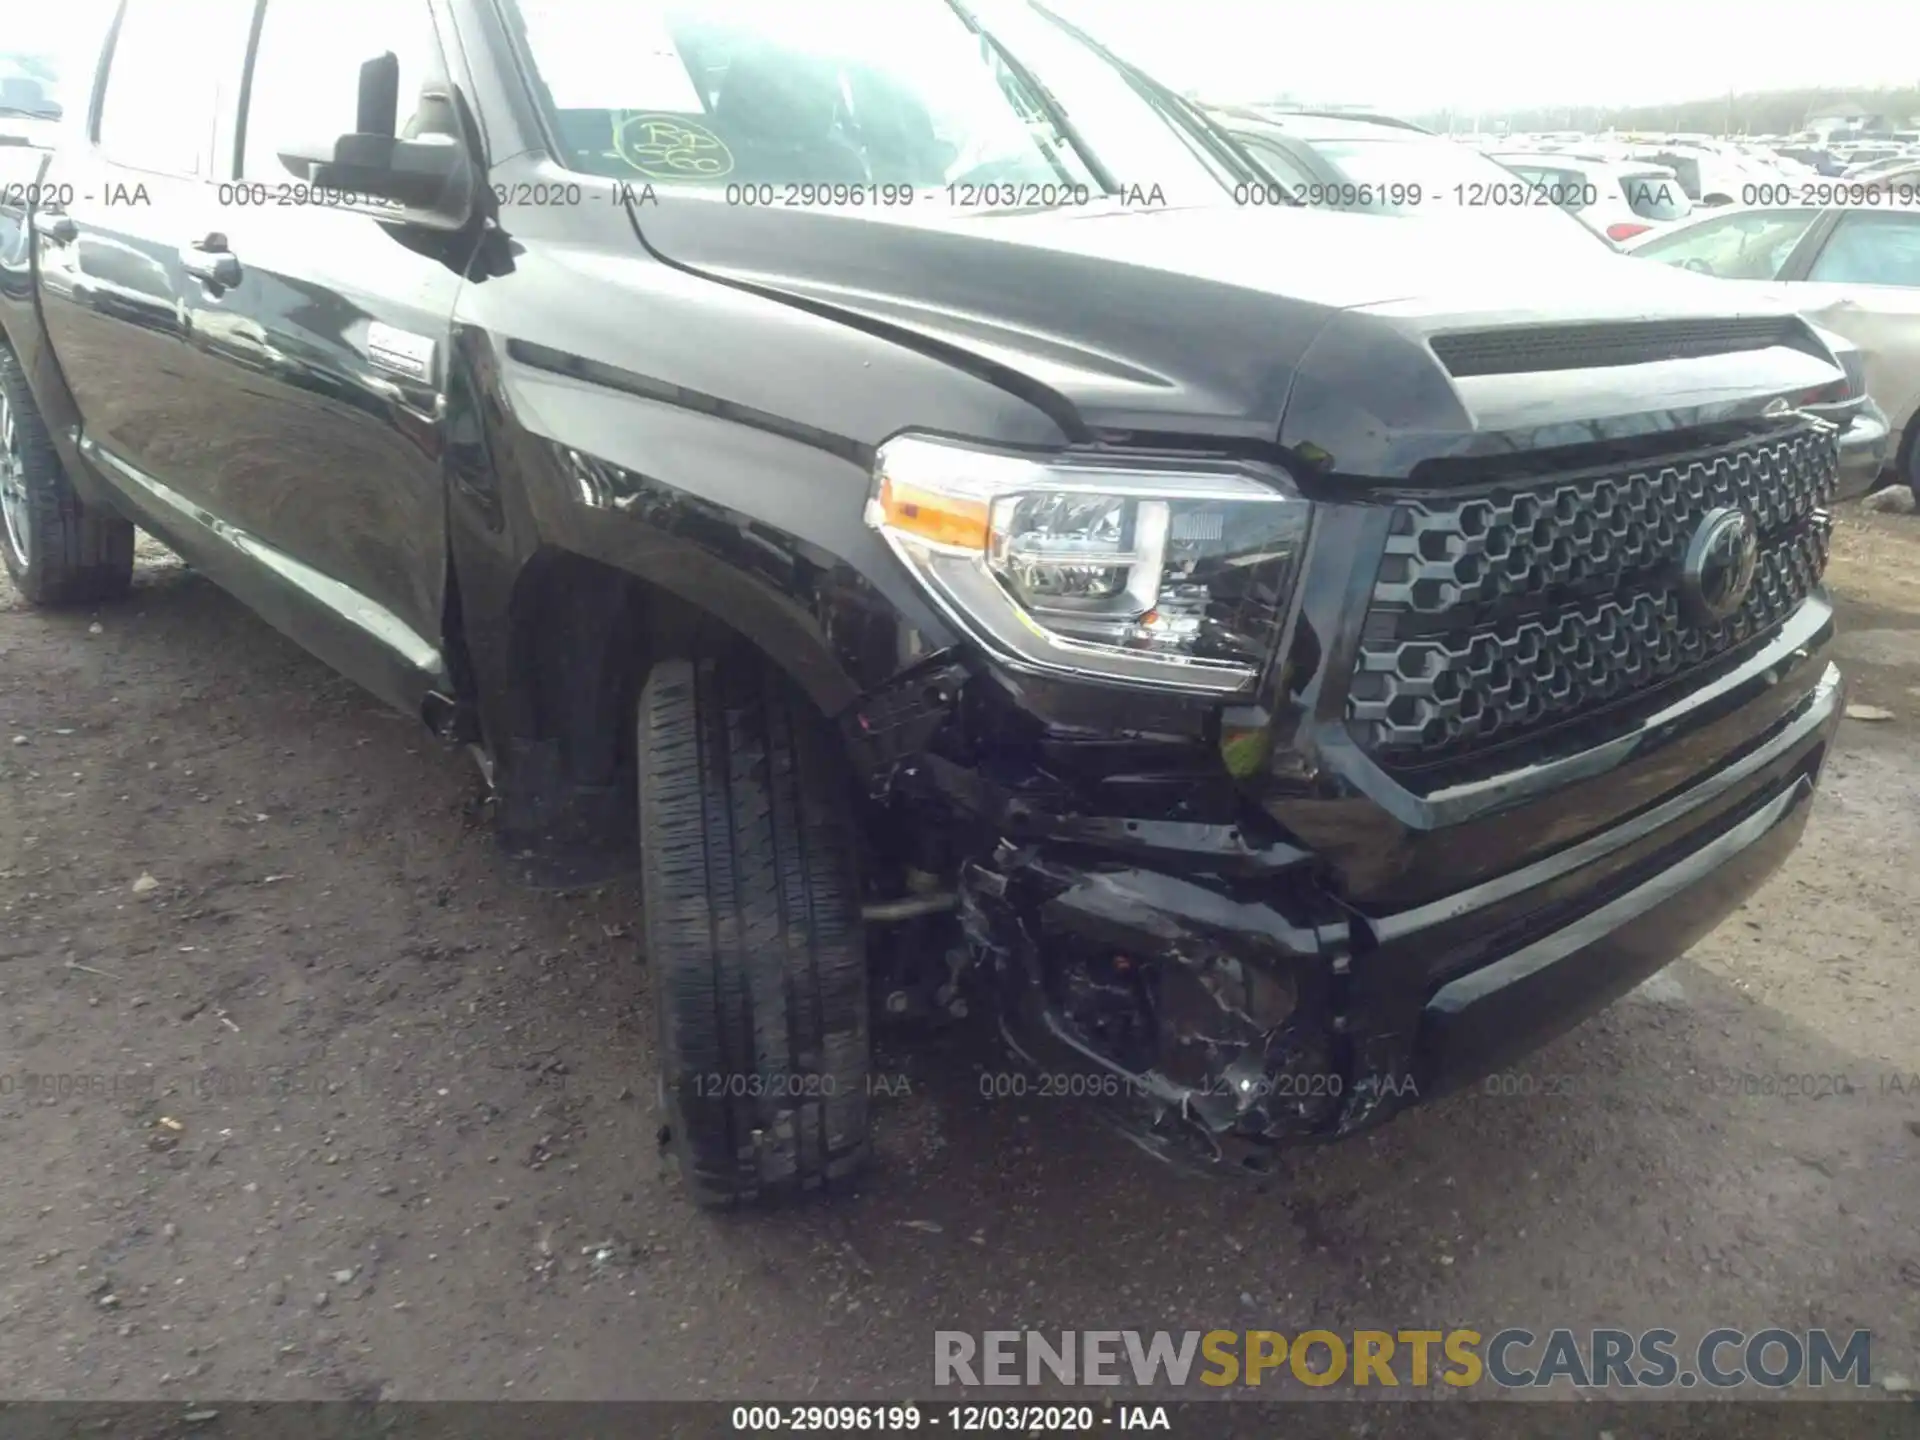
428	181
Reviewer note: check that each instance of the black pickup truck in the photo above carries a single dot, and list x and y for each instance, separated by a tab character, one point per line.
1276	668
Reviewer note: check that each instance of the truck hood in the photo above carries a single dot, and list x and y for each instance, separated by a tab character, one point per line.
1125	321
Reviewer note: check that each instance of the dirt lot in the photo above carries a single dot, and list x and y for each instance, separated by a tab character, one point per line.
349	1116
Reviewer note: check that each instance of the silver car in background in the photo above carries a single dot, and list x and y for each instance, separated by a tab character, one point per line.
1850	269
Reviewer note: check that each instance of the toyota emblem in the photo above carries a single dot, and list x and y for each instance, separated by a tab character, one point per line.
1718	570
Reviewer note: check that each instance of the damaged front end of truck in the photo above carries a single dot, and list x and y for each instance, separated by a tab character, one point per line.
1398	781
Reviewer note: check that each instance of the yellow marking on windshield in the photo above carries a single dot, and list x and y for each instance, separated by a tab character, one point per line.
670	147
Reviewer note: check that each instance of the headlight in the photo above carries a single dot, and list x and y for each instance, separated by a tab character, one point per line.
1135	572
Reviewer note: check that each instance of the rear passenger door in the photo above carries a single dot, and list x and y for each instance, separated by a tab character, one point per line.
329	335
138	185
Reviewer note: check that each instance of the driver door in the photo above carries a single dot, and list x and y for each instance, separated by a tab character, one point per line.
325	341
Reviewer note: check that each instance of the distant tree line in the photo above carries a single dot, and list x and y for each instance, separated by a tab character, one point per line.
1772	112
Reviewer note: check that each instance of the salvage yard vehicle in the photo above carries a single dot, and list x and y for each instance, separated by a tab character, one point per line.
1619	199
1282	672
1851	268
1866	435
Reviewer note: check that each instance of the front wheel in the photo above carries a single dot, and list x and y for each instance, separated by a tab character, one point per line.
752	929
1910	469
58	549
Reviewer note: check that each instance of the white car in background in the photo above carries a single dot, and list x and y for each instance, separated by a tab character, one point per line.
1713	176
1620	199
1851	269
1885	166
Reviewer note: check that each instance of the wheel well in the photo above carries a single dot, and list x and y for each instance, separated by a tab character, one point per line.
579	651
583	635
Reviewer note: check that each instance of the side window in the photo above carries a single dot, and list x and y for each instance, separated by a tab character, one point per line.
1749	246
305	86
164	81
1870	249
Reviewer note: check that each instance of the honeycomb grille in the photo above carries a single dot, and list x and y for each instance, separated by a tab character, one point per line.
1499	613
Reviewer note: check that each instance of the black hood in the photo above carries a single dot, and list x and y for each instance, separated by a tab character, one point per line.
1203	323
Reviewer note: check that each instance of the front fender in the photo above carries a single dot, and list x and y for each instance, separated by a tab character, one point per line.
633	449
760	530
712	442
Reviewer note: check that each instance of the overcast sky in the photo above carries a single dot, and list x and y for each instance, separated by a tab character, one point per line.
1423	55
1419	55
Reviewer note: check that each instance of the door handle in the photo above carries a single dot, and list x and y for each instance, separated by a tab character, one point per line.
56	229
209	259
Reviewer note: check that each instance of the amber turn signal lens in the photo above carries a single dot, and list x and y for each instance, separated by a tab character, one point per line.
932	516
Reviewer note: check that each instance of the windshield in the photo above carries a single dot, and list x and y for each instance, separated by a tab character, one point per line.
39	46
1752	245
840	94
1144	141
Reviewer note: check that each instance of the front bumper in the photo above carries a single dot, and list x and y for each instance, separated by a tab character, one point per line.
1490	1016
1275	1016
1866	447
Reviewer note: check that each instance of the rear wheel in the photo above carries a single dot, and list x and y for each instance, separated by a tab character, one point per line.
59	550
753	930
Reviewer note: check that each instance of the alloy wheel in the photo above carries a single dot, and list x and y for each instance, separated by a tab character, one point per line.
13	484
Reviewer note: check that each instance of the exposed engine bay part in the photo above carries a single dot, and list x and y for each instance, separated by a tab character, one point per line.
908	907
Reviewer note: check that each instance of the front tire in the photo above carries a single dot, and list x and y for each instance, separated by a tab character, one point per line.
1910	465
753	930
58	549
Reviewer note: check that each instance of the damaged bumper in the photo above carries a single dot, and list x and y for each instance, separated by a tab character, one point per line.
1234	1004
1866	449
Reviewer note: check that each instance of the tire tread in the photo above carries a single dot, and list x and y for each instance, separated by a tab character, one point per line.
81	554
752	927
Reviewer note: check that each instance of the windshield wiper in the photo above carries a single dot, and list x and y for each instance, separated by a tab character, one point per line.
1056	113
1171	104
24	113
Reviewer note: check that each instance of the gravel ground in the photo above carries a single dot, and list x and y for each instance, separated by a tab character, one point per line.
353	1117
